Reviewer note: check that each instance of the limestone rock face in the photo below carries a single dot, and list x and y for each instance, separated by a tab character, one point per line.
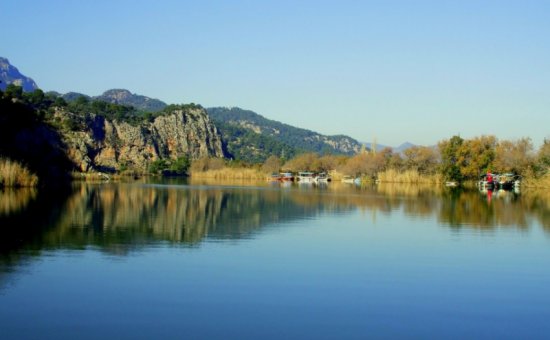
98	144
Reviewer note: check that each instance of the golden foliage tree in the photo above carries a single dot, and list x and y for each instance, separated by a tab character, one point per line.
476	156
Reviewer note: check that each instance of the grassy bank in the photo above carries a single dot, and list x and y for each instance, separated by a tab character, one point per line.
13	174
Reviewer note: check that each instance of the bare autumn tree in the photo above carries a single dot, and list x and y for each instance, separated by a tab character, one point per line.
331	162
421	158
303	162
365	163
395	161
272	164
514	156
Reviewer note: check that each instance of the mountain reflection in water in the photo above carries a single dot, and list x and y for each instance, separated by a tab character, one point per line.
119	217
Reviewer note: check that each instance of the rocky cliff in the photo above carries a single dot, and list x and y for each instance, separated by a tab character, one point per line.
95	143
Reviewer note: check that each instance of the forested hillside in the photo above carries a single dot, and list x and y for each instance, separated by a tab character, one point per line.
247	129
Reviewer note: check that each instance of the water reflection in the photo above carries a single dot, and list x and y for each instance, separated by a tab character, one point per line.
14	200
122	217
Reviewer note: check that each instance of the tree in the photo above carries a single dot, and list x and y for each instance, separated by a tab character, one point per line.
13	91
157	166
272	165
304	162
543	158
421	158
514	156
450	167
36	97
180	165
475	156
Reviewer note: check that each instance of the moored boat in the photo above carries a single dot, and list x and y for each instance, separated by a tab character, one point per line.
322	177
274	177
486	181
306	177
348	179
286	176
507	181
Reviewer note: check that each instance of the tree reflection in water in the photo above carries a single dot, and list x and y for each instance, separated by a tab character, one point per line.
119	217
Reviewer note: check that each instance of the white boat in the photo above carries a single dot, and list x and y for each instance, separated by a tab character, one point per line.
351	180
306	177
322	177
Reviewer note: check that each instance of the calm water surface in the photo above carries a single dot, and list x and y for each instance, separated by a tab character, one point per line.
200	260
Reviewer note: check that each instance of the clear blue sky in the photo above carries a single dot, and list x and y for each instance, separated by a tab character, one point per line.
397	71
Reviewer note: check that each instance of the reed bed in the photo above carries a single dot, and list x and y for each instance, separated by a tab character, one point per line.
408	176
532	182
230	173
13	174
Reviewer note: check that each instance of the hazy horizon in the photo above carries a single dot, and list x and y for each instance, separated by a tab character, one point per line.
393	71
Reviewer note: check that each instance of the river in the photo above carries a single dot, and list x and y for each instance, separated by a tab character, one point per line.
179	259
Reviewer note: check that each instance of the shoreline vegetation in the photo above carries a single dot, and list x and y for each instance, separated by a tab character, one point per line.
14	174
33	152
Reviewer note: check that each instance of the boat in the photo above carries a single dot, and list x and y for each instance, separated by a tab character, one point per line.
306	177
508	181
348	179
286	176
486	181
322	178
274	177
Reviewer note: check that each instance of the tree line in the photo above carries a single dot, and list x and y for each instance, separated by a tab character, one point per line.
453	159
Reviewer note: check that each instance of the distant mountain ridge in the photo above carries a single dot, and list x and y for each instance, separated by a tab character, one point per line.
121	97
247	129
9	74
125	97
397	149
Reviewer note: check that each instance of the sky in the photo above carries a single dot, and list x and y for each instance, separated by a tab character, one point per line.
390	71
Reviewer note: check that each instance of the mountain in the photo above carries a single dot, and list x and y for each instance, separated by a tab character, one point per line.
72	96
252	137
403	147
379	147
9	74
125	97
398	149
118	96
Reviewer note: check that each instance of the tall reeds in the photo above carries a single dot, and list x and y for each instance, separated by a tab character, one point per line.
407	176
532	182
230	173
13	174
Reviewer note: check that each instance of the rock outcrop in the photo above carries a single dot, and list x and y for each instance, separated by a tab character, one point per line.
98	144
